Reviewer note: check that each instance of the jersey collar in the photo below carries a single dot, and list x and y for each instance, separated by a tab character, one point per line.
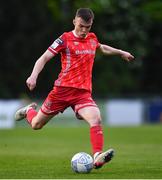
77	35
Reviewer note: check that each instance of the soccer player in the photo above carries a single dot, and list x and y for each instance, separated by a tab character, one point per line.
73	88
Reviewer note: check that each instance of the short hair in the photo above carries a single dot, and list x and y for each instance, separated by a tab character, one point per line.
85	13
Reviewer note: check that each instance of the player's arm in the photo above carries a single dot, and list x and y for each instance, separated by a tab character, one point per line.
38	67
108	50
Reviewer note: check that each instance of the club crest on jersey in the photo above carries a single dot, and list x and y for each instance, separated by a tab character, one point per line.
76	43
56	43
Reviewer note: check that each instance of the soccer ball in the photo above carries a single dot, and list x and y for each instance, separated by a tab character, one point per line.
82	162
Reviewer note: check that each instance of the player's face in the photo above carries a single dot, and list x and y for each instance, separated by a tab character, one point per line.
81	27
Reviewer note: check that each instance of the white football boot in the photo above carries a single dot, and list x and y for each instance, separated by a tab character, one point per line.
101	158
21	113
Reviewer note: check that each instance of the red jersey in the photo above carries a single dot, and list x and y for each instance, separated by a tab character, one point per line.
77	58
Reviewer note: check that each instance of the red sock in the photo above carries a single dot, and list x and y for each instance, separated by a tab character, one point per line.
30	114
96	137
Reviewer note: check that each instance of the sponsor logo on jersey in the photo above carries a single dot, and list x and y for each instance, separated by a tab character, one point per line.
87	51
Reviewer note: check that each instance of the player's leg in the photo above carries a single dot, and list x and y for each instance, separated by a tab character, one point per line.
36	119
53	104
91	114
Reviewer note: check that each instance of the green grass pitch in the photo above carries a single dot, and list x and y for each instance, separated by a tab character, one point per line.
46	154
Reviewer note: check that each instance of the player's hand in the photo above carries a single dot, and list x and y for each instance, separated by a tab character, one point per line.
126	56
31	83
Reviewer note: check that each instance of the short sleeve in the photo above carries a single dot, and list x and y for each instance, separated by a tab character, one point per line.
94	37
97	42
58	45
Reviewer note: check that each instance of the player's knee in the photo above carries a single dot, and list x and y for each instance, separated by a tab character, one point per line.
97	118
36	126
95	121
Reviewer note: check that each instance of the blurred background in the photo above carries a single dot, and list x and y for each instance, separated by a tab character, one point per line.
127	93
